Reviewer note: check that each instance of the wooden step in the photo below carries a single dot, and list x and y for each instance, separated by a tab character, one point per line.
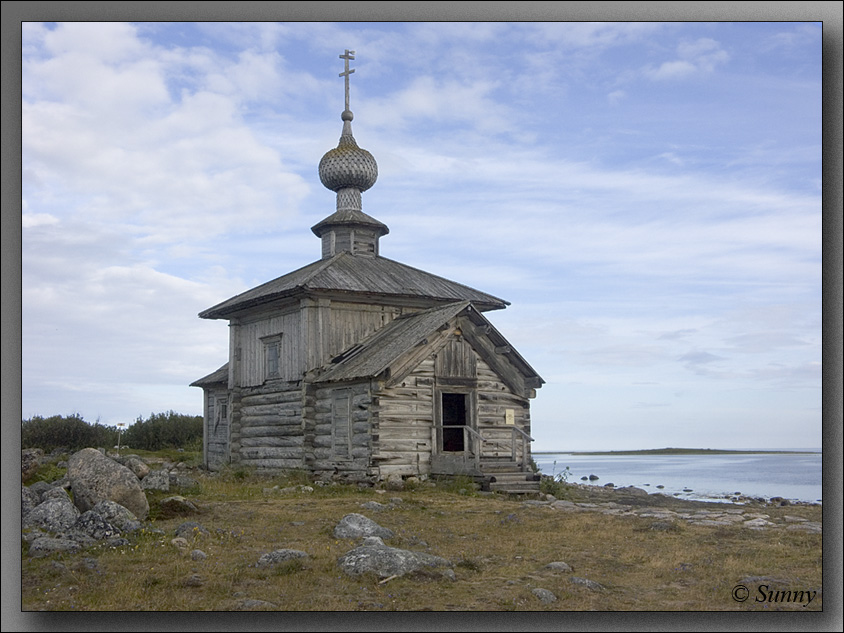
514	482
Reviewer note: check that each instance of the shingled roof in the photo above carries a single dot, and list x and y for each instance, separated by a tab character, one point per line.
216	377
375	354
347	273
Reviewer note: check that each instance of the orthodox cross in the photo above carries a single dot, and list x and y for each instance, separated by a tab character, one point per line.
349	55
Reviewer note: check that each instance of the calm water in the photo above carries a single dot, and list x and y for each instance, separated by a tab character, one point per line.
795	476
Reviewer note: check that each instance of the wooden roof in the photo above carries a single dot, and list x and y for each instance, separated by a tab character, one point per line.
214	378
347	273
382	349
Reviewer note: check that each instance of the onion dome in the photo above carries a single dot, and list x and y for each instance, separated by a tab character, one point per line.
348	170
347	165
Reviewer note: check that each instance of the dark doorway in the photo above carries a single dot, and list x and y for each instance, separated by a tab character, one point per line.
454	417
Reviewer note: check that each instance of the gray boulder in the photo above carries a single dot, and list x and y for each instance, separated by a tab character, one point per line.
544	595
30	461
178	480
177	506
384	561
93	525
585	582
56	493
53	515
355	526
39	488
47	545
120	517
280	556
134	463
29	499
95	477
156	480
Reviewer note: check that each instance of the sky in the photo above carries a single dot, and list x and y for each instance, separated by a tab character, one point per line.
647	196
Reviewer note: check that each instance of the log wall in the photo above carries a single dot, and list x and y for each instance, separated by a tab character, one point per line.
269	433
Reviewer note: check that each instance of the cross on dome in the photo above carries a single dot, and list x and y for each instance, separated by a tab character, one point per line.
348	170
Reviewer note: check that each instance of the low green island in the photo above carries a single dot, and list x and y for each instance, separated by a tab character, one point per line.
677	451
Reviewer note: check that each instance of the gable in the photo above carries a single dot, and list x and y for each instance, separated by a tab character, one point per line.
457	334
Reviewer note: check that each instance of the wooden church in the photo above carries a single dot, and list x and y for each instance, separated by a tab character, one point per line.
359	368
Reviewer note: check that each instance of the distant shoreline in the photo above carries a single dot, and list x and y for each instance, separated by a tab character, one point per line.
680	451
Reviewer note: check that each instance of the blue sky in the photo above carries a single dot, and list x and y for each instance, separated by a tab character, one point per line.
646	195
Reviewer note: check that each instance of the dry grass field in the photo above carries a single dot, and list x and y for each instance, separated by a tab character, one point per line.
499	547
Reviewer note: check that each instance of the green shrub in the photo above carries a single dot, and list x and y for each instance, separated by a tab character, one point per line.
70	432
164	430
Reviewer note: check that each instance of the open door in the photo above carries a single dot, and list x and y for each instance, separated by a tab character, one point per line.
454	418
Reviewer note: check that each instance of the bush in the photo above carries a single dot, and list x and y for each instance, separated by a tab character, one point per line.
71	433
164	430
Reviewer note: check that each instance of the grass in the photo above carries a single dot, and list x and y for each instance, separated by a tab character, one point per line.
499	547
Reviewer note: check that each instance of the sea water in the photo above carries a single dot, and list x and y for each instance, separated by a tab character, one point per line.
791	475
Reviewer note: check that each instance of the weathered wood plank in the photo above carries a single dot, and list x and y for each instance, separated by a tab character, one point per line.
268	453
272	442
289	430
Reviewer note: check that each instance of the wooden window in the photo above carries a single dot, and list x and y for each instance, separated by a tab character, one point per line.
341	423
272	356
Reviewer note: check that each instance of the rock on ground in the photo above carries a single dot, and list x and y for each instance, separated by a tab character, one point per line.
544	595
53	515
373	556
95	477
354	526
280	556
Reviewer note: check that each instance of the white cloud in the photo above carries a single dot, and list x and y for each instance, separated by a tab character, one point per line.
700	56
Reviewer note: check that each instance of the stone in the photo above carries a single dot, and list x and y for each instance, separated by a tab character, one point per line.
177	506
374	506
191	529
137	466
544	595
198	555
29	500
156	480
373	556
585	582
354	526
53	515
117	515
30	461
633	490
194	580
255	605
558	566
177	480
40	487
46	545
56	493
91	524
95	477
280	556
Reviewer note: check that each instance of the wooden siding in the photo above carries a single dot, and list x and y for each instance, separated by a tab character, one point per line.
404	423
338	433
270	432
351	323
216	428
248	349
405	416
494	399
